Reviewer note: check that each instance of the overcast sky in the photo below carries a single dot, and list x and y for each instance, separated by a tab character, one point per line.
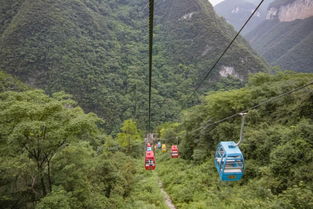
214	2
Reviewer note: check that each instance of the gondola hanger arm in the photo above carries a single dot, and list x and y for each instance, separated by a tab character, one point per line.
243	115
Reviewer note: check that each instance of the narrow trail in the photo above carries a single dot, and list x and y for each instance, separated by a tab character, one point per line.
167	198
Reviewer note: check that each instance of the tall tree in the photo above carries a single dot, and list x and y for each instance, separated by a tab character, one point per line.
129	134
36	127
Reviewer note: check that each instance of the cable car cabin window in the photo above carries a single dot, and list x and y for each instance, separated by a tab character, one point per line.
221	151
174	154
219	154
234	165
149	163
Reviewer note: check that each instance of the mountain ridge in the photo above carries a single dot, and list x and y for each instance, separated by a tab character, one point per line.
97	51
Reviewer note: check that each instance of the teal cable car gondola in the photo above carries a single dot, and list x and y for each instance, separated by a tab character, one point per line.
159	145
228	159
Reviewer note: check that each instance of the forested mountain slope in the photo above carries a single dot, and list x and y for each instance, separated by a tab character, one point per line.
97	51
277	147
285	37
9	83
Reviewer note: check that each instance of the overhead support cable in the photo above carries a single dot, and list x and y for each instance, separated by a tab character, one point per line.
151	17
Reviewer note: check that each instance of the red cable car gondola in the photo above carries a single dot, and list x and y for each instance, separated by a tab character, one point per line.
174	151
149	160
149	148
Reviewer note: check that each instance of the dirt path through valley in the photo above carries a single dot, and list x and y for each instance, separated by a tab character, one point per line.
167	198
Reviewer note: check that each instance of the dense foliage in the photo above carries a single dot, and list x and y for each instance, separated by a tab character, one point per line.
277	147
7	83
97	51
197	186
146	190
53	155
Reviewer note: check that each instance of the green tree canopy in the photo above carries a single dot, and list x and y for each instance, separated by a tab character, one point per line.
34	128
129	134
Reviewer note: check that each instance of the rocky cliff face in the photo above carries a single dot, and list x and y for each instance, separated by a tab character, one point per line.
298	9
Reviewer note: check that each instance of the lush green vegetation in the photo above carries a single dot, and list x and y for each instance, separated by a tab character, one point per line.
96	50
53	155
9	83
278	147
146	191
197	186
